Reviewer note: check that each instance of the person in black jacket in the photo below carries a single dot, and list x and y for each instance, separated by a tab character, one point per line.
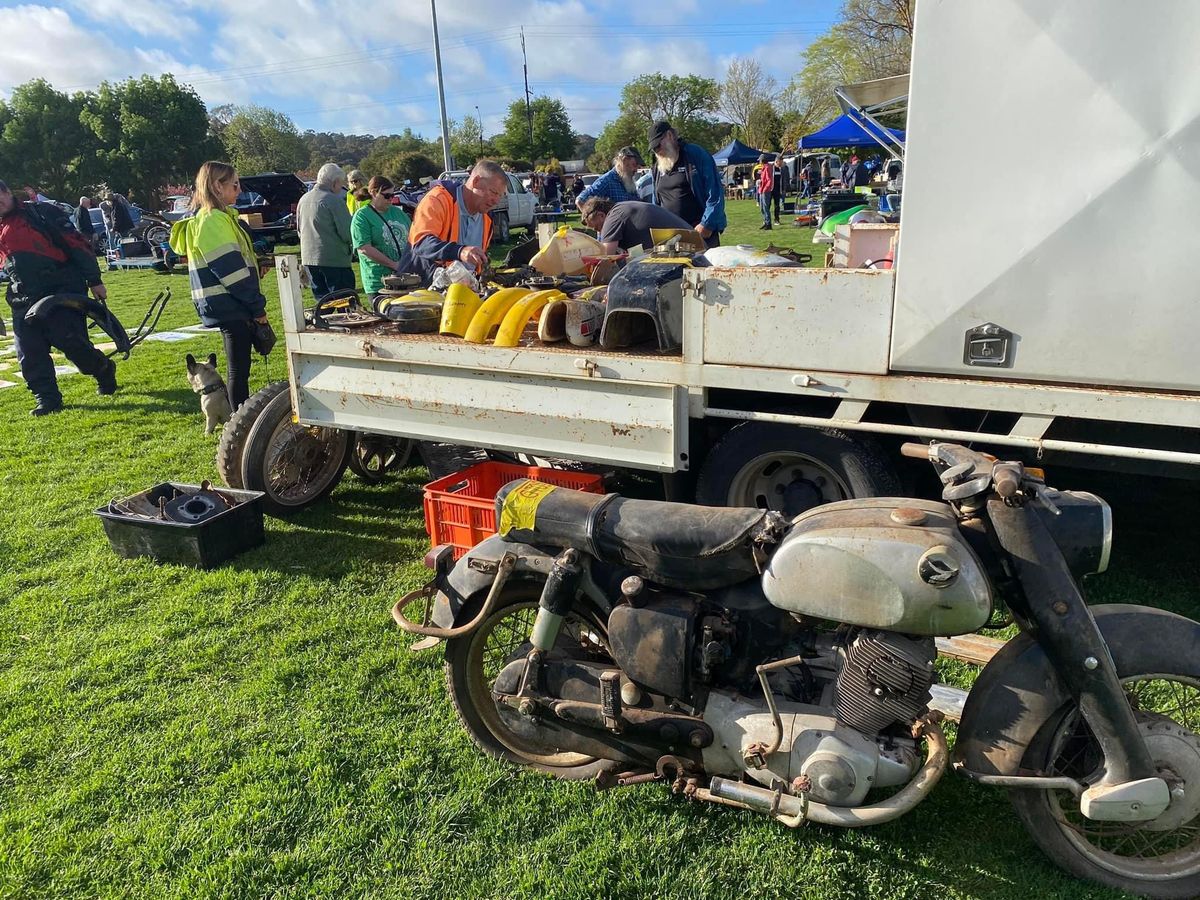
83	220
44	255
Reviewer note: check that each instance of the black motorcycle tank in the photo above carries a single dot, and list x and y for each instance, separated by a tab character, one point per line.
888	563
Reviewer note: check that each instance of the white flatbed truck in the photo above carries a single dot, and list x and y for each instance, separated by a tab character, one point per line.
1053	316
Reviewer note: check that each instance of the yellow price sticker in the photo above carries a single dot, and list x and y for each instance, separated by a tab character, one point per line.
520	506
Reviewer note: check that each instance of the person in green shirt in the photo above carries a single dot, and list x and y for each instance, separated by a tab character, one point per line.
379	232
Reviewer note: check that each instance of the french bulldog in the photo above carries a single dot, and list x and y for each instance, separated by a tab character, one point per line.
208	383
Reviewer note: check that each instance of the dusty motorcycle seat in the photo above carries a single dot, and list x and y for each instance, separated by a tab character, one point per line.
672	544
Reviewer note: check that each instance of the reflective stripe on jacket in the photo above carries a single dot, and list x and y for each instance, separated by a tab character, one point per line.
222	267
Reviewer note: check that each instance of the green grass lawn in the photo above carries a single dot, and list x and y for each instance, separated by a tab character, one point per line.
263	731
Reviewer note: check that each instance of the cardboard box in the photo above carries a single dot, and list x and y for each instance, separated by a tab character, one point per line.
254	220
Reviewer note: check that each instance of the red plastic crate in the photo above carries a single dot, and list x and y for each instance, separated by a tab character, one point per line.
460	509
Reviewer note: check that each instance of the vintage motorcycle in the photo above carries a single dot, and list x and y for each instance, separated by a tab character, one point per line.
786	667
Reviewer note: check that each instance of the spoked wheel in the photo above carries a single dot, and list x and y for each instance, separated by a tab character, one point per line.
1159	858
474	661
294	465
376	456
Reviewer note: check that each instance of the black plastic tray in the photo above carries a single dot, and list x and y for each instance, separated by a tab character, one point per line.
204	544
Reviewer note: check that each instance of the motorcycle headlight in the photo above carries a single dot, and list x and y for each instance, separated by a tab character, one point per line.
1082	528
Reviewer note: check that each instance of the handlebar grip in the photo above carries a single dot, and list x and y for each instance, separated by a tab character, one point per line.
915	451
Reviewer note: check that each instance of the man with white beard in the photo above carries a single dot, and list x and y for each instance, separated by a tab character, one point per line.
686	182
617	184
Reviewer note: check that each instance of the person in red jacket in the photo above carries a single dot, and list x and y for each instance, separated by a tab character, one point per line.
766	185
452	223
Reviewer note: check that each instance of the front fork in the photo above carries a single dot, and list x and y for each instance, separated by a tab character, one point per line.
1053	610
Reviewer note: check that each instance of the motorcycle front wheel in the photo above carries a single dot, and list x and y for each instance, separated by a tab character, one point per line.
1159	858
475	660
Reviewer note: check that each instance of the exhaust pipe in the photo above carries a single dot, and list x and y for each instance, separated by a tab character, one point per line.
794	811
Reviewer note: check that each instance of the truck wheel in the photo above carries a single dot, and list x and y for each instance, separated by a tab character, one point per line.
500	227
790	469
375	456
294	465
237	429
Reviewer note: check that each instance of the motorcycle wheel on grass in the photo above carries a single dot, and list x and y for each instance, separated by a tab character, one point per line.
474	660
237	431
376	456
294	465
1159	858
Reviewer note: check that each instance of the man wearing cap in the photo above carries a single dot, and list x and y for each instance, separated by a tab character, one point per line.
44	255
617	184
621	226
686	182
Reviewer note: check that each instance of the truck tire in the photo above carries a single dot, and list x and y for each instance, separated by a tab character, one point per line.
237	429
446	459
294	465
790	468
500	227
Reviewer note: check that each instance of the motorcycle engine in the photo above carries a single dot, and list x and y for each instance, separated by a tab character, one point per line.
884	679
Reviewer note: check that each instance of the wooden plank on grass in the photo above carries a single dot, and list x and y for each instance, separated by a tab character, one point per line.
972	648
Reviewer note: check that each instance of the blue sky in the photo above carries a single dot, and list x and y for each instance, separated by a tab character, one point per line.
367	67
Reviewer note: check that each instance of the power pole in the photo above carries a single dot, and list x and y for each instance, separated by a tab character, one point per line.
528	108
479	119
437	58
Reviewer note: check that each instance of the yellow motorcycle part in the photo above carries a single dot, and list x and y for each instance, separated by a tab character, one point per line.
491	313
522	311
461	305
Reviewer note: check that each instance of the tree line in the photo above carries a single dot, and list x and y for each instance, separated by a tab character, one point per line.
144	134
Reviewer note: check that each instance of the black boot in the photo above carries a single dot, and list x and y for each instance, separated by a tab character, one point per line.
45	406
106	381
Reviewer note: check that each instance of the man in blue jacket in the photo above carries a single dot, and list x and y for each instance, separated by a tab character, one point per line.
686	182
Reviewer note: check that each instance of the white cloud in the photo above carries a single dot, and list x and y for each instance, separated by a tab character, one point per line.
150	18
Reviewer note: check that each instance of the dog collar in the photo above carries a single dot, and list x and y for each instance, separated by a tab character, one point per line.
211	389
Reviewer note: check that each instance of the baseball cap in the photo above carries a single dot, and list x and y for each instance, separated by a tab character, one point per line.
657	130
630	152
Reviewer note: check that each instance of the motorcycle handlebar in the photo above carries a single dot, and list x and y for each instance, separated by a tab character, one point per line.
915	451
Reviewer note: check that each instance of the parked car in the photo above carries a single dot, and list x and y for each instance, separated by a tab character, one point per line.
176	207
516	210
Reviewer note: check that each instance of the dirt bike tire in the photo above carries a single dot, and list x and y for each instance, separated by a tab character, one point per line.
237	430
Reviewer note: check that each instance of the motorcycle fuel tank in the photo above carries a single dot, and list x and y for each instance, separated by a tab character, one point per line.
892	563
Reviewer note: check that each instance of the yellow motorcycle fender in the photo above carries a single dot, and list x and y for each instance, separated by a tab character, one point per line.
491	313
461	305
522	311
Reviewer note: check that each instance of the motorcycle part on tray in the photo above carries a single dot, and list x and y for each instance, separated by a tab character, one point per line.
673	544
527	307
491	313
645	300
461	305
884	681
583	321
853	562
406	281
552	323
414	316
341	310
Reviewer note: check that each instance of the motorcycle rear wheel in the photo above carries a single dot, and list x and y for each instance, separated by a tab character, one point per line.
1143	858
474	660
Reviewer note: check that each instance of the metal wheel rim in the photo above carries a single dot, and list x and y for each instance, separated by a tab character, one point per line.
376	457
763	481
156	234
486	659
1064	807
301	461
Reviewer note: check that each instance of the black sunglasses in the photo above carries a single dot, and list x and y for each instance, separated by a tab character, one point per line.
388	195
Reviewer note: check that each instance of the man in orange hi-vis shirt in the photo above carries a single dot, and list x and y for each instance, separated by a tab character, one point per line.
452	222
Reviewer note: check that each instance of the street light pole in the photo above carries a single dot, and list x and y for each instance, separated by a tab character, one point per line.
437	58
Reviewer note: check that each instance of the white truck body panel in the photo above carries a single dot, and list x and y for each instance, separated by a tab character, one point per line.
1051	175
